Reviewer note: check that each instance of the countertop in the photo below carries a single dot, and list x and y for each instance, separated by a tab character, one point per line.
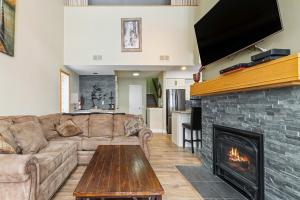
182	112
95	111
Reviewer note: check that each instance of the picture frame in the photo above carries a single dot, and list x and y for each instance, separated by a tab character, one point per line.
131	34
7	26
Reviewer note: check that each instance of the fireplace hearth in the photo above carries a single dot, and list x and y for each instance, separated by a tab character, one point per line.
238	159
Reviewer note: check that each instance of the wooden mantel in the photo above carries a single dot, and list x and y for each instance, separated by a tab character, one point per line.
282	72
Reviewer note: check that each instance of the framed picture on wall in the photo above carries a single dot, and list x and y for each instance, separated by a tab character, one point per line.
7	26
131	34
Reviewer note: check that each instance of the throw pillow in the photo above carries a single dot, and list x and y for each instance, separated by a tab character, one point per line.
29	136
132	127
68	129
8	144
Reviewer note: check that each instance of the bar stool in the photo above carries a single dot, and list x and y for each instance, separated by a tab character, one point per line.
195	125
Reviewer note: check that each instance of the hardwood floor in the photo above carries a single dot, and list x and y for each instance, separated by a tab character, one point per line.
164	157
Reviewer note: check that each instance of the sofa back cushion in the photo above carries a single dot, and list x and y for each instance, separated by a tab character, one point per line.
29	136
81	120
119	121
49	124
101	125
5	124
24	118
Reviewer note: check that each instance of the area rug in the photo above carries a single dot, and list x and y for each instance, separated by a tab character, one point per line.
209	187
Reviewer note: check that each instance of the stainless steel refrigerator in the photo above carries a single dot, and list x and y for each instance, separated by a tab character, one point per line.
175	102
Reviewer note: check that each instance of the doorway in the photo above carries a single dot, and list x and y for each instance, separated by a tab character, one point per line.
135	99
64	92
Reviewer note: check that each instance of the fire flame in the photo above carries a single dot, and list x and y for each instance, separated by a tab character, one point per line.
234	155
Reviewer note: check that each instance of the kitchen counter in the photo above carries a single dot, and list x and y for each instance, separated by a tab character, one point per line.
178	118
182	112
94	111
155	120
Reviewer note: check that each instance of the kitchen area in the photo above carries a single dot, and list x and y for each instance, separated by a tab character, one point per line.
175	107
178	111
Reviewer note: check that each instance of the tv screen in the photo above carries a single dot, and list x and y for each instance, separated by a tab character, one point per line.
232	25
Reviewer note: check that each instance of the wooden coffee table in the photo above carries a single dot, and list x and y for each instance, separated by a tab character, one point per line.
119	172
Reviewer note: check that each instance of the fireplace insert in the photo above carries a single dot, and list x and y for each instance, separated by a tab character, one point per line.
238	158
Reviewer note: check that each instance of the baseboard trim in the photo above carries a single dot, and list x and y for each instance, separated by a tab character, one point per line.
159	131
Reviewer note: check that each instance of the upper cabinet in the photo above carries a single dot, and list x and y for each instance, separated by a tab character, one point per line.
172	83
92	35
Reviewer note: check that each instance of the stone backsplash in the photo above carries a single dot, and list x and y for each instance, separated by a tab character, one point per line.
97	90
276	114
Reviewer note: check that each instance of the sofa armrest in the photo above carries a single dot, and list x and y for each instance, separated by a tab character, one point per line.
16	168
19	177
144	136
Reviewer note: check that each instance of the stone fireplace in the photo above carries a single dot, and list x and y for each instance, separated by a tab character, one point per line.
273	113
238	159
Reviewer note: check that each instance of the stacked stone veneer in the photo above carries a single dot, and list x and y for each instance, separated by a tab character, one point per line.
107	85
276	114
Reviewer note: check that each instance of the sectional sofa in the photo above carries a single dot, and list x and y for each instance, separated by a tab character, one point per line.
38	176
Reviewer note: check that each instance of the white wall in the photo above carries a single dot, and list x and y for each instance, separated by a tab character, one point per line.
289	38
181	74
94	30
29	82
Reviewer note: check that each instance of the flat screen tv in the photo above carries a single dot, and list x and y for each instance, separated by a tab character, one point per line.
233	25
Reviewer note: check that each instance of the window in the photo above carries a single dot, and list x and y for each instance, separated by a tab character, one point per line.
64	92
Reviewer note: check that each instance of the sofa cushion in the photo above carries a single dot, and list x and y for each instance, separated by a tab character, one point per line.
101	125
24	118
66	148
75	139
124	140
91	144
6	118
48	124
68	129
48	163
81	120
29	136
5	124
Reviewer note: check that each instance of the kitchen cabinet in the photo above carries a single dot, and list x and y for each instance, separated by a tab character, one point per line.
188	83
172	83
179	117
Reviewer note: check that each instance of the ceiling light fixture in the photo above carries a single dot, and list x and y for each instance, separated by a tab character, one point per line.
136	74
183	68
95	73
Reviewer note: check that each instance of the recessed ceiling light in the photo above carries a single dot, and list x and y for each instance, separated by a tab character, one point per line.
136	74
183	68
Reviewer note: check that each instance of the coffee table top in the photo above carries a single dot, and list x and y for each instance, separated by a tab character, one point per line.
118	171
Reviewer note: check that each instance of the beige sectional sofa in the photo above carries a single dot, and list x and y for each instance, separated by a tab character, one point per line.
38	176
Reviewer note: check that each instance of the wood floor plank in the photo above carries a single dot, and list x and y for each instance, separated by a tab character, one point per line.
164	156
